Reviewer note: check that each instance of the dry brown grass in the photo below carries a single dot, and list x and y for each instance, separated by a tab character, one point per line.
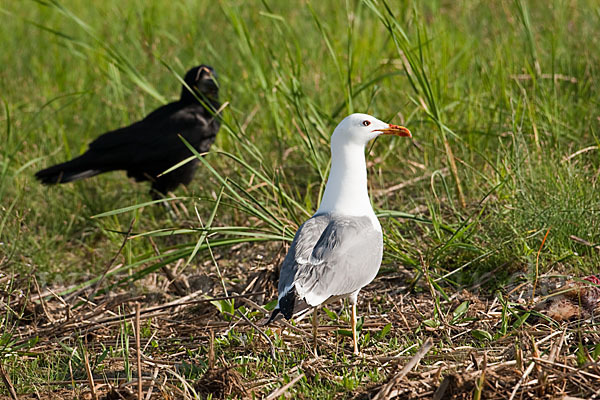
185	350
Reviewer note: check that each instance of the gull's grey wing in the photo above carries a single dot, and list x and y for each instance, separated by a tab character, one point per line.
299	253
330	256
346	258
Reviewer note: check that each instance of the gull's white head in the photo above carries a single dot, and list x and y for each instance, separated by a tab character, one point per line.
346	190
359	129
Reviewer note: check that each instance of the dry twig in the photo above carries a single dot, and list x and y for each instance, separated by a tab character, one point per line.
385	390
520	382
8	383
284	388
260	331
89	374
140	392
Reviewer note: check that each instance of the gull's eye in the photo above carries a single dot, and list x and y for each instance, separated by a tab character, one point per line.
366	123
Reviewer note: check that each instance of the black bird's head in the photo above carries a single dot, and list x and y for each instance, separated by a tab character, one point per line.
202	80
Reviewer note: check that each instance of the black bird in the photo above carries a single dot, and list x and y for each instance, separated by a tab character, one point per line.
152	145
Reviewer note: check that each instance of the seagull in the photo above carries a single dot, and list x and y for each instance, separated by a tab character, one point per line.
152	145
338	250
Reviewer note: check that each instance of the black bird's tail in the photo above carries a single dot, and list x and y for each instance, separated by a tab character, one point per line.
77	168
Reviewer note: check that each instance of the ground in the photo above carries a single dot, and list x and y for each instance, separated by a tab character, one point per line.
481	345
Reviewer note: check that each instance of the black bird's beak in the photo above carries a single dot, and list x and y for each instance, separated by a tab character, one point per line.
204	73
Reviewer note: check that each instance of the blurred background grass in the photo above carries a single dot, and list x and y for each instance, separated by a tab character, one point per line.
509	87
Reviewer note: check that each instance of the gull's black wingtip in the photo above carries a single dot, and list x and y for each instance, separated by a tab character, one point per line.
284	308
274	315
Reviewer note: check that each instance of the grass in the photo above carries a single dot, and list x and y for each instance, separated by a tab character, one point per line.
503	103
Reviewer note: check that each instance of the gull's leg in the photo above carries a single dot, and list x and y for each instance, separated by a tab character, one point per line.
354	334
315	325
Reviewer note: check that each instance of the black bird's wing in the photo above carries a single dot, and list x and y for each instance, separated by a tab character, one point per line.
144	149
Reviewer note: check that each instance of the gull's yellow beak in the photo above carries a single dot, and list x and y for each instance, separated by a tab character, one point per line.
395	130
